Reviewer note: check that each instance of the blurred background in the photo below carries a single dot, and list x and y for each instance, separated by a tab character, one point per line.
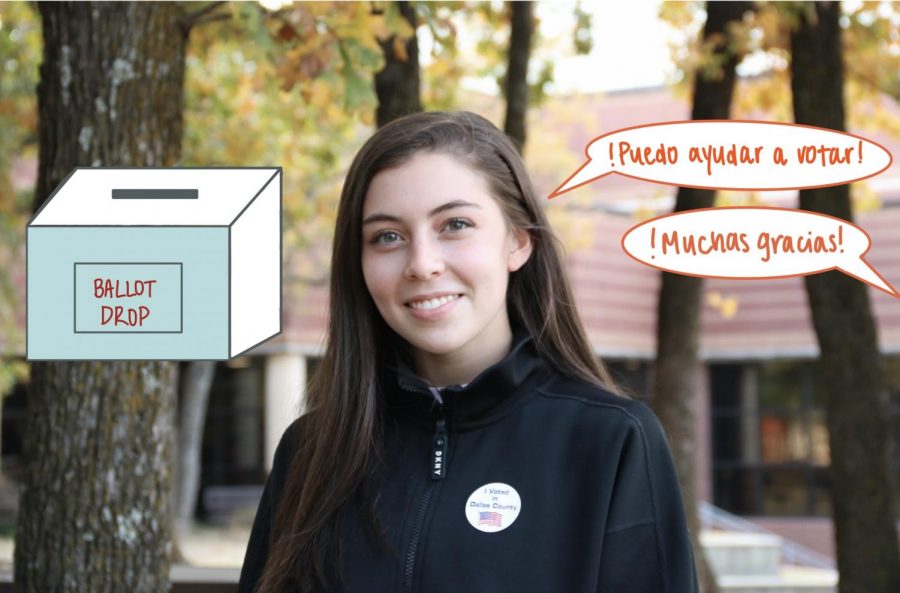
781	398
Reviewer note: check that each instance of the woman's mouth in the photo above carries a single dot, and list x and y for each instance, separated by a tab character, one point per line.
433	303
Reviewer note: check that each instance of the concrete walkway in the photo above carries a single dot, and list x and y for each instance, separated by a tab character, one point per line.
204	547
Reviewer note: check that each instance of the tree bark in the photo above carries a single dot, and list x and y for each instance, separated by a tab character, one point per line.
678	369
854	377
95	505
397	85
516	84
195	389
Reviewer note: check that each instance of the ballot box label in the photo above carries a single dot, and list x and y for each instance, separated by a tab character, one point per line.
155	263
137	297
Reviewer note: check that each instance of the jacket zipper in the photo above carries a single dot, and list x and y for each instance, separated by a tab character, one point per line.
414	541
437	471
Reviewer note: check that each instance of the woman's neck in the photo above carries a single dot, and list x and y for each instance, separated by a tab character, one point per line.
462	366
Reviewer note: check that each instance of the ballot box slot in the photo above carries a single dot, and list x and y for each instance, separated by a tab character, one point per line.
155	194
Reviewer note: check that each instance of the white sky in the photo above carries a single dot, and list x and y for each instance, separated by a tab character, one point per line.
630	48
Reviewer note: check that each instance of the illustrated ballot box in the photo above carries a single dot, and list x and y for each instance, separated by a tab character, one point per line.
155	264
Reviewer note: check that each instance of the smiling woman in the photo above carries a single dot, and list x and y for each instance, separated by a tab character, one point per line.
459	412
437	266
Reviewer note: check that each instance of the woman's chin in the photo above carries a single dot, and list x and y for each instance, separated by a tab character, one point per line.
433	347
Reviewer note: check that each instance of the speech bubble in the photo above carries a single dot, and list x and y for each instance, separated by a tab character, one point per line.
731	154
753	243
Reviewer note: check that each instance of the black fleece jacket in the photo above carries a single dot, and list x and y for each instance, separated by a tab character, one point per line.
521	481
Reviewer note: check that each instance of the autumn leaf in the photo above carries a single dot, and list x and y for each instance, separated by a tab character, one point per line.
399	48
286	33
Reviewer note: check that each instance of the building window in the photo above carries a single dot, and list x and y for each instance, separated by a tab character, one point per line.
312	363
233	434
770	441
12	432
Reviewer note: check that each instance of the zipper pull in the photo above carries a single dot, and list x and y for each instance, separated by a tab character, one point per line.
439	451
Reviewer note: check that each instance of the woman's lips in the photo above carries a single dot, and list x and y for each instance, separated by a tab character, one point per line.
434	307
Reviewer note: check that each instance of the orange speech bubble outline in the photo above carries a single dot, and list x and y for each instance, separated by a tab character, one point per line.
559	190
887	288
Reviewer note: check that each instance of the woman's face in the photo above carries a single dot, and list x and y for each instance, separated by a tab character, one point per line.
436	257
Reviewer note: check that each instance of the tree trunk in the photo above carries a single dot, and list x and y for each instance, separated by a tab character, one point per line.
678	370
195	389
95	506
854	378
397	85
516	87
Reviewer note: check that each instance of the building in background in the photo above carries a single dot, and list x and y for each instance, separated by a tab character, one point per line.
762	440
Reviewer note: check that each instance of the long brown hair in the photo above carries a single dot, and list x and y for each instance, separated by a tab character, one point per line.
337	455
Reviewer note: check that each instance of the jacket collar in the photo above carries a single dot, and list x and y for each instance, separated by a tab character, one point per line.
482	400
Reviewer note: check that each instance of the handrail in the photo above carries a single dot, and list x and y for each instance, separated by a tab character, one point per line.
712	517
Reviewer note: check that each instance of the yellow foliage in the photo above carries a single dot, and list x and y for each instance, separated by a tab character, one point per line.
727	306
575	232
864	198
725	198
642	213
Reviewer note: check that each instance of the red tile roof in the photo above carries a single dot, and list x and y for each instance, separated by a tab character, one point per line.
616	295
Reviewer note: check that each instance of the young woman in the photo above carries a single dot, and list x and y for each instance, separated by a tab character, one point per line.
461	435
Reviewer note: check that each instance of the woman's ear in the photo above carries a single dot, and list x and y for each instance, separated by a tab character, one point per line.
520	249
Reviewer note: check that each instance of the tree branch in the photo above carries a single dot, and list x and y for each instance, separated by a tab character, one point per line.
204	15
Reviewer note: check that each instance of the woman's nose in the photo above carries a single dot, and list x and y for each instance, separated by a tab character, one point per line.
425	259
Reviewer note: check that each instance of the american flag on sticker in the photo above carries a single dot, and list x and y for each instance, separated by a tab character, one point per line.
489	518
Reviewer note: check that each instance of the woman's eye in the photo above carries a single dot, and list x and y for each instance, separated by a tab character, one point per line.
385	237
458	224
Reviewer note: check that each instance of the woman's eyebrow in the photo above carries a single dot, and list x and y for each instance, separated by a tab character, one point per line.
380	217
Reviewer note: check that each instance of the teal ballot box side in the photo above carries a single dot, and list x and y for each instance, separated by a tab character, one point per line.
127	293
